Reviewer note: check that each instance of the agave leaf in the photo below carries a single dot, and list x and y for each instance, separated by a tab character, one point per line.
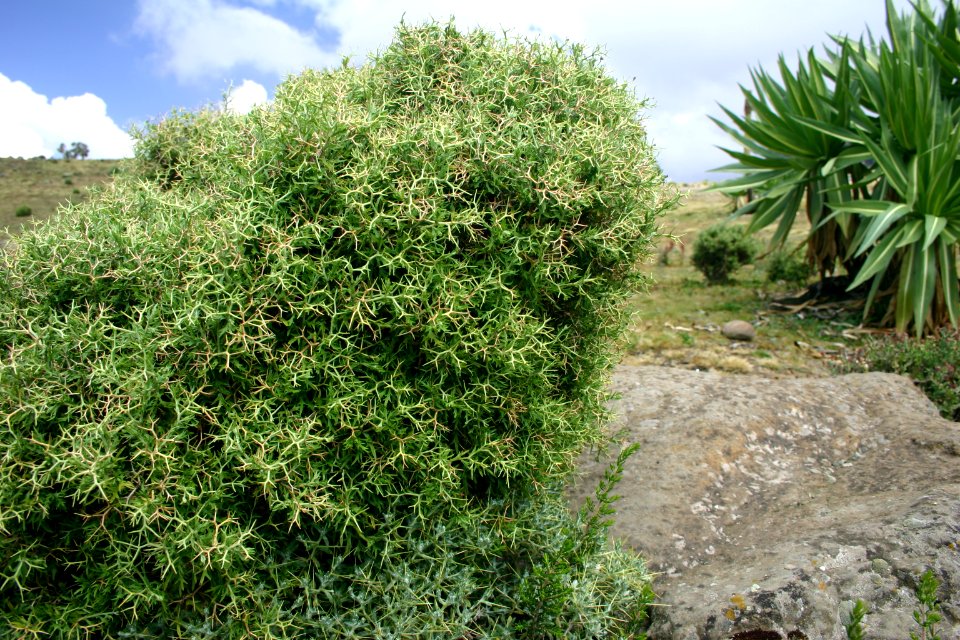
846	96
733	167
891	165
878	259
828	166
940	183
767	89
880	222
913	168
905	291
790	141
746	209
872	207
770	210
933	226
780	124
840	133
923	285
944	44
750	161
869	77
946	257
815	200
754	134
856	241
839	190
912	233
790	208
896	28
795	182
754	145
822	222
793	87
751	181
871	296
951	233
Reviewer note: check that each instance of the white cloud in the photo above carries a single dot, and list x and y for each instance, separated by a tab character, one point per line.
685	139
30	125
367	25
686	55
200	39
244	98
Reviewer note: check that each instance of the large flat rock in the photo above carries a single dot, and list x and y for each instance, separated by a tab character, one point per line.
769	506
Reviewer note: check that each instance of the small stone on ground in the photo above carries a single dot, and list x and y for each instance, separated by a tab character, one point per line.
739	330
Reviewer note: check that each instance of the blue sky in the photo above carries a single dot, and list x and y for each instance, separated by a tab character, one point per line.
88	71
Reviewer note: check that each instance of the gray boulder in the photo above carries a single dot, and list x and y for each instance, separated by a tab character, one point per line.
738	330
769	506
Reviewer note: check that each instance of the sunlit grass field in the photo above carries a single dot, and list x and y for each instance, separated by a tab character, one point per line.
677	321
43	185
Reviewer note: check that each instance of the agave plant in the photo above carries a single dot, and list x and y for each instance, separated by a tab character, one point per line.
912	222
880	168
789	163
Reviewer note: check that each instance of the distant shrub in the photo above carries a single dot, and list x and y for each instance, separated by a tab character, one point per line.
322	370
788	267
932	362
720	250
68	181
23	211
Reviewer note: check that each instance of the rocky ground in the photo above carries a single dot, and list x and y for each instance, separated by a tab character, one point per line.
768	506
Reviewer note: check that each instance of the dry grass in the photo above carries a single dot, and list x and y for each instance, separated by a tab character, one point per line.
678	320
43	185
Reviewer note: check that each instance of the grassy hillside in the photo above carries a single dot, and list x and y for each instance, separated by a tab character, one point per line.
679	318
43	185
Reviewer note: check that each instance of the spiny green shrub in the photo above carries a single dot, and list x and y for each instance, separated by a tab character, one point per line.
932	362
321	370
720	250
788	267
23	211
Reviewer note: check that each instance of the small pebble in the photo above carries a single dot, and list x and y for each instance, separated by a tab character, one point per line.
739	330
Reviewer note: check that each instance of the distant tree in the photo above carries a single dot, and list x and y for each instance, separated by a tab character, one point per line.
76	150
79	150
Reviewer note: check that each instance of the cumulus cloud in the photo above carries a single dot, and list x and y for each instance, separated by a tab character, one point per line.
688	139
31	125
244	98
366	26
673	52
200	39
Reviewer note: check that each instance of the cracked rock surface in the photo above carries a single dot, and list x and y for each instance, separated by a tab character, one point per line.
769	506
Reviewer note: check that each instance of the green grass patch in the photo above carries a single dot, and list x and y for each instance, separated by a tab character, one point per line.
932	362
40	185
